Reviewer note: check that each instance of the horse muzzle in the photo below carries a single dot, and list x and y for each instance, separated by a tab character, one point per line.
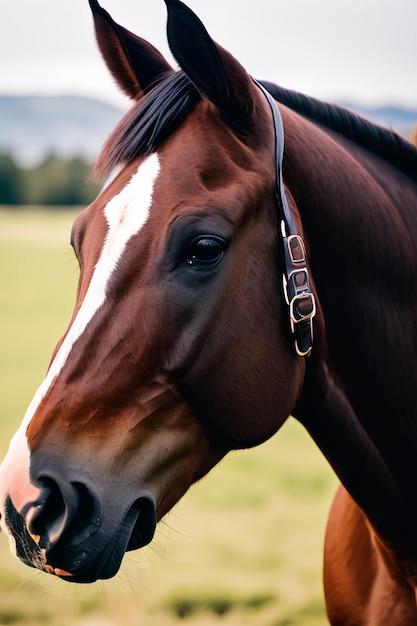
75	530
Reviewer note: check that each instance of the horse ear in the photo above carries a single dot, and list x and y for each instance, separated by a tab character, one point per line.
134	63
215	73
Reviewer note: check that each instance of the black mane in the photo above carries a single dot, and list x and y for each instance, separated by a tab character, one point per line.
162	110
382	141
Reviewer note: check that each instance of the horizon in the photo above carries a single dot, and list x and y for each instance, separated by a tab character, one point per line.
124	104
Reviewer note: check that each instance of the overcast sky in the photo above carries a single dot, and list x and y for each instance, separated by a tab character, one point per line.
361	50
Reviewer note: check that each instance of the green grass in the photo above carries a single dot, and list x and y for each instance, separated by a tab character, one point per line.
244	546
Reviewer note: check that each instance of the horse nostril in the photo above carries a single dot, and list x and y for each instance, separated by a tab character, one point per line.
46	519
63	512
144	528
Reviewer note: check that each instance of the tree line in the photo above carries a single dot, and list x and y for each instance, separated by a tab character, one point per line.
53	182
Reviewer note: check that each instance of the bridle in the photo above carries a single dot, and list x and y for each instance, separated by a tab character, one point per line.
296	281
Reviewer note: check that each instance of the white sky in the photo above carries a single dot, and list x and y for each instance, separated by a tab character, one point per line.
359	50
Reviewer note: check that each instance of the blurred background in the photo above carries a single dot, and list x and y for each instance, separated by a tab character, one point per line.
245	545
58	102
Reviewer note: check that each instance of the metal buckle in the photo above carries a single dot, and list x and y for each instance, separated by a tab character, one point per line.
302	307
302	311
299	280
296	249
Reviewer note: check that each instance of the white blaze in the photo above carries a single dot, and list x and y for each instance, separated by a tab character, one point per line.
125	213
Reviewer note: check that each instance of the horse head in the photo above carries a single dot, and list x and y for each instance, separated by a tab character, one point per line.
178	349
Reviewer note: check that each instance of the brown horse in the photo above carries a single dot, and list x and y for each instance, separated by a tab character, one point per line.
182	345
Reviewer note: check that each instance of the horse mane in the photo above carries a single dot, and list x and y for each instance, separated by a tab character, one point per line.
381	141
164	107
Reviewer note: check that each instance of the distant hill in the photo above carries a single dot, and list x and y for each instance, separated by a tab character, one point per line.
32	127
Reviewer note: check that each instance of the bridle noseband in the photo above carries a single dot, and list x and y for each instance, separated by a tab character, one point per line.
296	281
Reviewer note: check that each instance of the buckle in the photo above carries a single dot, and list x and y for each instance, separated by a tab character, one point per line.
297	292
296	249
302	311
302	307
299	280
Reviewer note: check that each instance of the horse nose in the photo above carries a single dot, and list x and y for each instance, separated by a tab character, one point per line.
64	512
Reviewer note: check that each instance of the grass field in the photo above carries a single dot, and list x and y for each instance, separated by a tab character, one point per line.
244	546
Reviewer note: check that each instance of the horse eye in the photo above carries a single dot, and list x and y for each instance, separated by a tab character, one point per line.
206	251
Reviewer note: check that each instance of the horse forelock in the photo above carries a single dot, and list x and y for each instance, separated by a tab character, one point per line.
149	122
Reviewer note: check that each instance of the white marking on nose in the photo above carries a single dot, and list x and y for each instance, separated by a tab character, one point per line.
125	213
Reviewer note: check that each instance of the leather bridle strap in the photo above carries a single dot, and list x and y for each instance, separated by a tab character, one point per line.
296	281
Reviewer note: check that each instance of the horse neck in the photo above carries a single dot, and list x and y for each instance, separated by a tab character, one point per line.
358	402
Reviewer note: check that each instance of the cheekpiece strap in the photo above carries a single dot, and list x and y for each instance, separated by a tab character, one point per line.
296	281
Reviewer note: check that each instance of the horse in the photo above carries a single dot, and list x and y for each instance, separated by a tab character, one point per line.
224	285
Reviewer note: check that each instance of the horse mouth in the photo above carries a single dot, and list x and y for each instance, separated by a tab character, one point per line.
96	557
